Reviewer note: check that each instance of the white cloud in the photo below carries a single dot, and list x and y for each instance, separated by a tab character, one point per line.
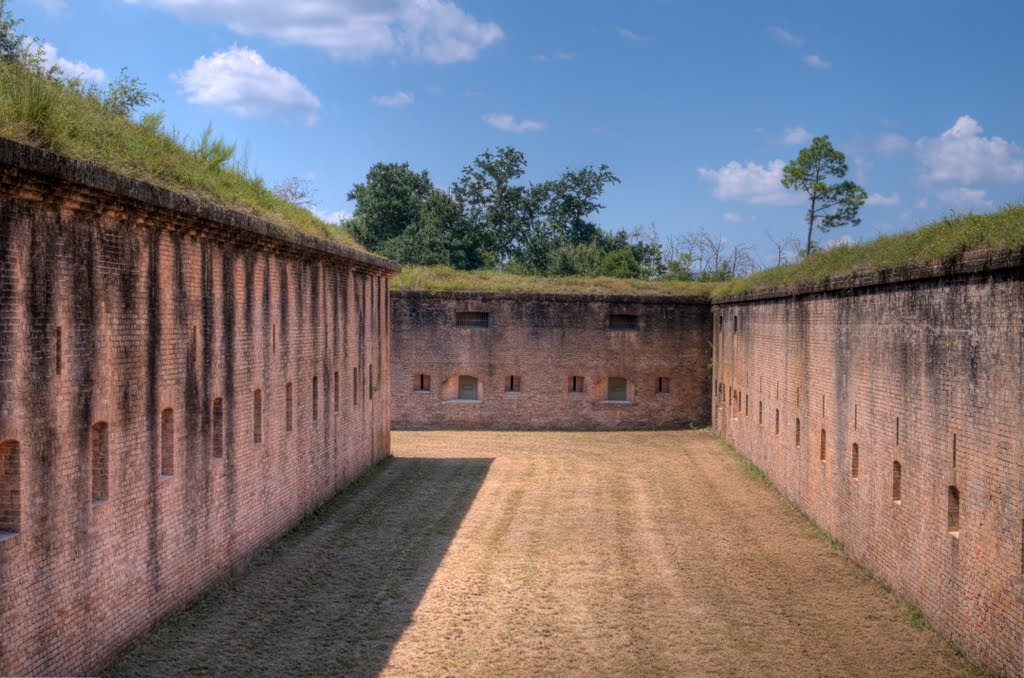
785	37
796	135
436	31
892	143
962	155
394	100
815	61
883	200
629	35
922	203
334	217
72	69
965	198
733	217
52	6
508	123
750	183
241	82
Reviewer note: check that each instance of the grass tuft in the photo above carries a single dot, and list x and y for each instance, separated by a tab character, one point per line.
53	115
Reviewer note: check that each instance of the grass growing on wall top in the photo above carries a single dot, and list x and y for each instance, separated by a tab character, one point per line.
940	241
43	112
445	279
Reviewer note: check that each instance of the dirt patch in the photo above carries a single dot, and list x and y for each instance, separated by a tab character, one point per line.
552	553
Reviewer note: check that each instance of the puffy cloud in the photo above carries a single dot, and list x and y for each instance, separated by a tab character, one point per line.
627	34
815	61
922	203
962	155
883	200
892	143
733	217
965	198
785	37
241	82
72	69
796	135
437	31
752	183
393	100
508	123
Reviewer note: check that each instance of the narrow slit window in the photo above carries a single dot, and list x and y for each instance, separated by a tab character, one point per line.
337	391
855	461
167	443
953	514
218	428
289	404
822	452
735	324
478	319
623	322
355	385
257	416
897	430
746	405
371	382
776	422
664	385
316	398
954	450
99	464
58	350
798	432
576	385
423	383
514	384
617	389
10	488
897	482
760	412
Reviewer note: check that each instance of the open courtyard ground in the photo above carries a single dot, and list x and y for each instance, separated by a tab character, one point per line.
653	553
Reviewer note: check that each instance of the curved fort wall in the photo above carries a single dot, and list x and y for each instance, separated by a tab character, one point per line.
549	361
178	385
888	408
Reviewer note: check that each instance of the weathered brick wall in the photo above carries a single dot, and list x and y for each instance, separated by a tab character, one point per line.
546	340
924	371
135	328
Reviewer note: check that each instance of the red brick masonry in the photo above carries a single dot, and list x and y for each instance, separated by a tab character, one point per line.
544	341
146	345
907	389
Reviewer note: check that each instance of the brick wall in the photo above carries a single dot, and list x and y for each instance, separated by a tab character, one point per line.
136	465
544	341
918	376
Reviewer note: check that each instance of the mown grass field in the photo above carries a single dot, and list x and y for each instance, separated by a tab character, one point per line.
551	554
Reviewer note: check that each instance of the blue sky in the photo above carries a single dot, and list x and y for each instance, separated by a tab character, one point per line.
694	105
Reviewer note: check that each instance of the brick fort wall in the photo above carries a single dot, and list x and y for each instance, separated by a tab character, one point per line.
178	385
525	351
888	409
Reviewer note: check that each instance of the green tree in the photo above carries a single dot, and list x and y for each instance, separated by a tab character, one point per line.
388	203
832	205
620	263
493	204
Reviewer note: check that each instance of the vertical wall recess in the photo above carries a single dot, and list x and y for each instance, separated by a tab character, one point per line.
855	461
355	385
257	416
58	350
218	428
760	413
337	391
316	399
99	462
289	405
776	422
167	443
10	488
798	431
897	482
953	510
821	453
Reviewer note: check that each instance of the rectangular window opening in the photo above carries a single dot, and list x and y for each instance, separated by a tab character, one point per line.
953	514
167	443
897	482
576	385
10	488
481	319
257	416
218	428
99	464
822	453
423	383
664	385
623	322
514	384
617	389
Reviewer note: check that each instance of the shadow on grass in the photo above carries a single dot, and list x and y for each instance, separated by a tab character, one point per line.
335	594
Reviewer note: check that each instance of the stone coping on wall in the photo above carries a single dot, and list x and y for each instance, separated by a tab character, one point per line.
469	295
21	166
978	262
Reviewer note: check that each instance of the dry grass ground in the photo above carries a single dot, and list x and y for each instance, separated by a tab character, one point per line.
551	553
